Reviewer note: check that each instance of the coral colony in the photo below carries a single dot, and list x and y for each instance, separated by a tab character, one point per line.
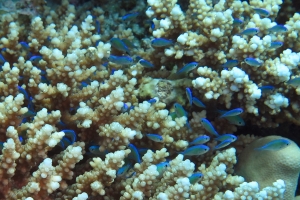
148	99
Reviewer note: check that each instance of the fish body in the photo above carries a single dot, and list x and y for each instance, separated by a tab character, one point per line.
195	150
249	31
226	137
278	29
276	44
162	167
237	22
24	92
233	112
128	43
130	16
70	134
119	45
98	27
124	108
121	60
155	137
230	63
35	58
209	127
198	103
200	140
161	42
152	101
94	149
146	63
223	144
134	154
252	62
179	110
194	178
294	82
188	67
275	145
188	93
261	11
266	88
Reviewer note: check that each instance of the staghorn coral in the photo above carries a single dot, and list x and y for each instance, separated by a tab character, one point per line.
56	76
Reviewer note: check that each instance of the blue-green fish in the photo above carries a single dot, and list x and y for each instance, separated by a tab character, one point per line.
261	11
188	93
134	154
200	140
266	88
278	29
173	115
130	16
180	112
70	134
249	31
162	167
24	92
35	58
128	43
223	144
64	143
237	22
121	60
155	137
252	62
236	120
230	63
209	127
94	149
233	112
188	67
25	45
146	63
119	45
276	44
123	171
275	145
1	146
294	82
226	137
195	150
198	103
194	178
161	42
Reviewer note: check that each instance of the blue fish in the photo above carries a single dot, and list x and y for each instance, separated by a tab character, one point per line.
188	93
162	167
252	62
179	110
155	137
278	29
249	31
29	113
119	45
152	101
146	63
209	127
194	178
130	16
98	27
94	149
24	92
122	171
124	108
261	11
120	60
226	137
66	142
236	120
230	63
198	103
195	150
134	154
143	151
161	42
70	134
151	23
275	145
223	144
266	88
188	67
2	59
1	146
128	43
276	44
200	140
25	45
35	58
294	82
237	22
233	112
